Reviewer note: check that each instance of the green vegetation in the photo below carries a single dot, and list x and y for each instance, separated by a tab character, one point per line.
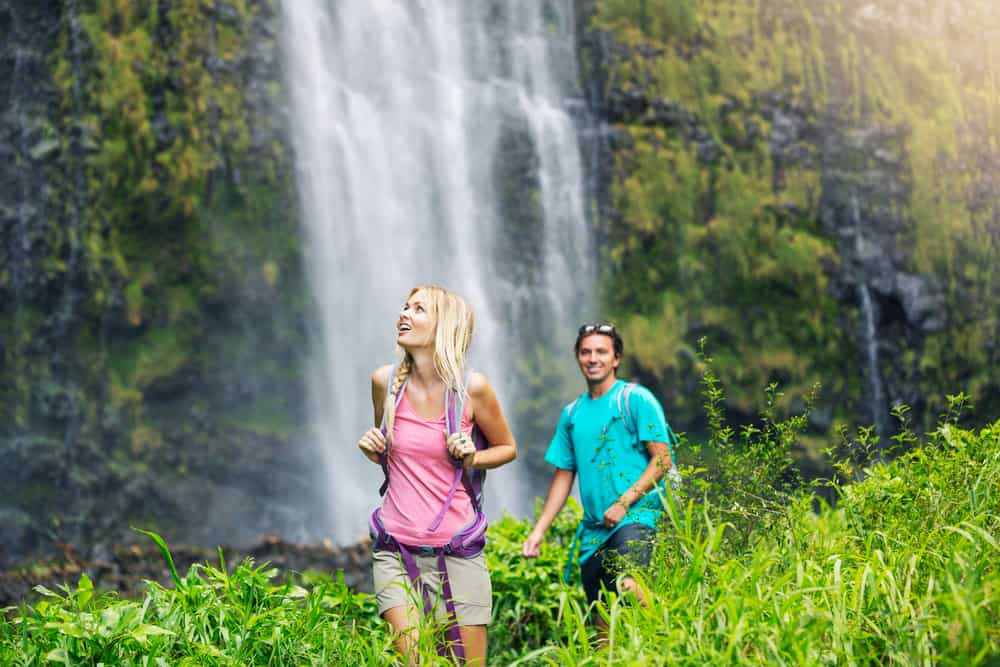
749	569
173	285
751	127
154	351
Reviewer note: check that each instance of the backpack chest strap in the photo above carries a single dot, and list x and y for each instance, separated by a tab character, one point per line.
454	410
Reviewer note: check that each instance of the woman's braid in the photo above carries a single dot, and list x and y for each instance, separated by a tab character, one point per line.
402	372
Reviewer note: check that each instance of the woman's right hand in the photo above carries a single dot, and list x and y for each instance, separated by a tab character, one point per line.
372	443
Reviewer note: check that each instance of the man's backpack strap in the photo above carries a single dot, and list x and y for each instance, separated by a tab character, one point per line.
632	421
572	406
568	568
623	408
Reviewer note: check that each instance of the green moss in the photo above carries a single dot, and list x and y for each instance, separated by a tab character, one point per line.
734	248
268	417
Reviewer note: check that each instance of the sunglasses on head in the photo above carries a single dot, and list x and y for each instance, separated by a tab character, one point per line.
601	328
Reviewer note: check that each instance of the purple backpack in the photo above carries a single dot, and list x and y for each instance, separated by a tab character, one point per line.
466	543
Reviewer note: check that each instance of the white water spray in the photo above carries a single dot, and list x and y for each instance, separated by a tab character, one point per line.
412	122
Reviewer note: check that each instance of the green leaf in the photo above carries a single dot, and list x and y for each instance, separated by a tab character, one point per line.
166	554
46	592
84	590
145	631
57	655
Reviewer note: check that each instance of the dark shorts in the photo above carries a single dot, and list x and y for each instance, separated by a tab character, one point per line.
633	540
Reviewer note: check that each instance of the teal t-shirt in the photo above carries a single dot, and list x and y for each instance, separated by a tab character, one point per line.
608	458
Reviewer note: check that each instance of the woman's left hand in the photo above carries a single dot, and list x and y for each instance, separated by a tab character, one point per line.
461	446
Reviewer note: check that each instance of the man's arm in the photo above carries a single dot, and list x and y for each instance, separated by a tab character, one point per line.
659	463
559	489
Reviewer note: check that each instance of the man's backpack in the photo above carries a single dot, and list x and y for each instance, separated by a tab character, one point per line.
630	420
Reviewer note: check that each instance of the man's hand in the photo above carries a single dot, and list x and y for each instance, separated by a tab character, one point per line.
614	514
532	544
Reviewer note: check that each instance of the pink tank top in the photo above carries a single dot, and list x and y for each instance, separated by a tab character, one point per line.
420	477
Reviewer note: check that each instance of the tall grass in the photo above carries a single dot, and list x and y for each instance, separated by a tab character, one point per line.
211	617
749	569
904	571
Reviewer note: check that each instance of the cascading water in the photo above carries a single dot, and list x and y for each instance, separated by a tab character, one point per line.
869	339
433	145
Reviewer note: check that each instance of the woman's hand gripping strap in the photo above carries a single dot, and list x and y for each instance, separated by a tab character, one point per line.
383	457
453	425
472	478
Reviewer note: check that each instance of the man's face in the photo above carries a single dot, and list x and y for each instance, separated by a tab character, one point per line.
597	358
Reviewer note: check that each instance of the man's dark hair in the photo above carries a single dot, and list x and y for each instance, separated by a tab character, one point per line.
602	329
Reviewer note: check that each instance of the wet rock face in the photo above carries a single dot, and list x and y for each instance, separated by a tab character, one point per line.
30	224
865	191
131	362
28	145
865	197
798	138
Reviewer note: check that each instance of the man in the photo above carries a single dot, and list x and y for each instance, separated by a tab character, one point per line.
616	438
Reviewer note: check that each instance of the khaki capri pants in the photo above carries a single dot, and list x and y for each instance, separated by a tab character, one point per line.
470	585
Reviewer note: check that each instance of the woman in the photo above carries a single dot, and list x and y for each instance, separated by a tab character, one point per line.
424	507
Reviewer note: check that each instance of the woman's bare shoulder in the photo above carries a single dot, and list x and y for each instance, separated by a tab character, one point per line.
478	385
380	376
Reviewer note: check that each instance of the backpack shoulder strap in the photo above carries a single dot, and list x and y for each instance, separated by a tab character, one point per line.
572	406
472	479
383	458
398	398
455	405
631	421
624	411
454	409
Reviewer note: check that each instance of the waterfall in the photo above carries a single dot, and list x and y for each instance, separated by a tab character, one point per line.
74	265
869	316
433	145
869	340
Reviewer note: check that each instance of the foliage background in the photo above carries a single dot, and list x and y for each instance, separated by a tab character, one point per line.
903	571
757	165
769	159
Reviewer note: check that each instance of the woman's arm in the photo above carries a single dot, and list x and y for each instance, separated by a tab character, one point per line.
380	382
372	442
486	413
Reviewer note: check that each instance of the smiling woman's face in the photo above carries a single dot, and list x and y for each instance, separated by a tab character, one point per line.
415	326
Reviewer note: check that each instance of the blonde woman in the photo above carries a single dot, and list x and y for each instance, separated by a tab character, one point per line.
429	531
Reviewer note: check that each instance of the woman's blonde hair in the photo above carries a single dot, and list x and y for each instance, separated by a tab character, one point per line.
453	326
